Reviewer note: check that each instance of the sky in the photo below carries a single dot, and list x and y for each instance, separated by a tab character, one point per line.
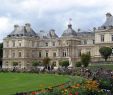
53	14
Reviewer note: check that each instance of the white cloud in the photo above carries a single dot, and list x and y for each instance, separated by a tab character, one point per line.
46	14
6	26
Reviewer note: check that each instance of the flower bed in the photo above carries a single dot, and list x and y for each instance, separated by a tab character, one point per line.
88	87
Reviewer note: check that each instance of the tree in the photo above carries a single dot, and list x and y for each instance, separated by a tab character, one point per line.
78	64
1	53
85	59
105	52
15	64
46	62
35	63
64	63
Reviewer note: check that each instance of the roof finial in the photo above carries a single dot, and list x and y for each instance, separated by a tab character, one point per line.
70	23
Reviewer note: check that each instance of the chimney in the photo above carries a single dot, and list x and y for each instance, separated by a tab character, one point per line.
28	27
16	27
108	15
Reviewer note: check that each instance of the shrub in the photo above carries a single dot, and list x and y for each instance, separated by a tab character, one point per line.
85	59
15	63
35	63
105	52
78	64
64	63
46	62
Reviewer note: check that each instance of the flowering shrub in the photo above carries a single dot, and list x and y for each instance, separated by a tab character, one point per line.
89	87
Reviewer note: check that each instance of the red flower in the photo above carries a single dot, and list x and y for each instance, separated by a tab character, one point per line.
33	93
70	94
76	93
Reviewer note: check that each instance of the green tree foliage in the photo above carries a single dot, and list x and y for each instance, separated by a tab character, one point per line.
1	51
105	52
64	63
78	64
35	63
85	59
15	63
46	61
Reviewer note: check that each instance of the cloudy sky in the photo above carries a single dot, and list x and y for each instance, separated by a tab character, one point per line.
53	14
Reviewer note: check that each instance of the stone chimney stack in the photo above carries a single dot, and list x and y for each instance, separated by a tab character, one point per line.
108	15
28	27
16	27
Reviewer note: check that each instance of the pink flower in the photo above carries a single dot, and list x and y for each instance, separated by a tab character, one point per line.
76	93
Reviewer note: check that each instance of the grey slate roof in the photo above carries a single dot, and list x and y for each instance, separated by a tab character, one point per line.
50	34
85	33
23	31
42	34
69	32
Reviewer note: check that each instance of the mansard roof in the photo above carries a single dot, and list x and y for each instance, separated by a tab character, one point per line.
85	33
69	32
23	31
42	34
50	34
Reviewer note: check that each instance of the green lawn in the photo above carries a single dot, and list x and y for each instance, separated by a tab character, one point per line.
11	83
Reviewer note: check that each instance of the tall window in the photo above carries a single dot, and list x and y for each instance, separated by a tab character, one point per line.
53	43
33	44
13	43
34	53
54	54
40	54
112	51
102	38
46	44
20	54
85	41
7	44
93	41
64	53
19	43
111	37
46	53
13	55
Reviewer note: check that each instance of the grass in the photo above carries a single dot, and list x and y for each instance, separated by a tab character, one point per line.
105	66
11	83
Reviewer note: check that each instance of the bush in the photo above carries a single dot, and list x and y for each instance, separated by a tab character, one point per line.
46	62
78	64
35	63
105	52
64	63
85	59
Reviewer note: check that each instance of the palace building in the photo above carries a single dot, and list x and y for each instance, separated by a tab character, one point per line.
23	45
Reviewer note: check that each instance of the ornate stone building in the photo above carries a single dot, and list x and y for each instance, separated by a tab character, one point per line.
23	45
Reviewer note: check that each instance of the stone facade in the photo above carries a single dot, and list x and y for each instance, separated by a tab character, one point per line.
24	45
